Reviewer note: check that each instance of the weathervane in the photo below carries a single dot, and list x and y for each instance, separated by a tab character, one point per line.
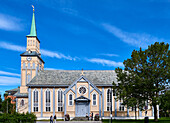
33	8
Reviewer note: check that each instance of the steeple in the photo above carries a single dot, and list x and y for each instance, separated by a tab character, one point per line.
33	32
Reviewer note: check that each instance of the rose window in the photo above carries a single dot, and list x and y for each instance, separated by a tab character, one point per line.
82	90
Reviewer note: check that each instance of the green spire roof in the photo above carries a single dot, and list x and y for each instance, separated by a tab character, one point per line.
33	31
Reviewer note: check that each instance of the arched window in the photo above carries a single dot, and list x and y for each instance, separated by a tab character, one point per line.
121	107
28	78
33	43
35	100
24	65
33	65
22	102
108	100
29	66
60	100
47	100
70	98
94	99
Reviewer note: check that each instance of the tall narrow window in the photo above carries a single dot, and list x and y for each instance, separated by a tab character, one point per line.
33	43
47	100
121	107
33	65
22	102
29	66
28	78
60	100
24	65
94	99
108	100
70	97
35	100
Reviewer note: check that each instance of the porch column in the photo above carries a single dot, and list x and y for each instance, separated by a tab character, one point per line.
16	104
100	105
53	101
127	111
152	111
115	106
64	104
41	102
103	101
29	100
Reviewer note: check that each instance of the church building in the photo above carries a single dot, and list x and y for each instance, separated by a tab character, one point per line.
60	92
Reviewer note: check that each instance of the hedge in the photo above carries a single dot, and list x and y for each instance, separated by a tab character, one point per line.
17	118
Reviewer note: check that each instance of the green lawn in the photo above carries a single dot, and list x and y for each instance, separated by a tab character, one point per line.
161	120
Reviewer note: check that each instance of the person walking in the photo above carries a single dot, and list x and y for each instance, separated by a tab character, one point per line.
91	115
51	119
55	118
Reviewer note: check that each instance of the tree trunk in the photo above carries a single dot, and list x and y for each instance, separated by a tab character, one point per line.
135	113
155	113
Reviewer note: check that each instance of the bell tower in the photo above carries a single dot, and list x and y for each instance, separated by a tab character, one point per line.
31	62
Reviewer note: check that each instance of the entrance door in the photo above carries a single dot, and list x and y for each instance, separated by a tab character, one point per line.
82	109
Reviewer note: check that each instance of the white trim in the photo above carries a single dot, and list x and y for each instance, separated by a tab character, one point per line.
96	98
60	89
80	87
45	100
70	100
33	99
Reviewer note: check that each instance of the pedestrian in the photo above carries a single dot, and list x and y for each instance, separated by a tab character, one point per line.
91	115
51	119
55	118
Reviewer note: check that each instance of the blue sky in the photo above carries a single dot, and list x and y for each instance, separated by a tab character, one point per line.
76	34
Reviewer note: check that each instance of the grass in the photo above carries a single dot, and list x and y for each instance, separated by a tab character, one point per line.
161	120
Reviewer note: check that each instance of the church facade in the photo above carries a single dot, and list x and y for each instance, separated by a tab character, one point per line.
60	92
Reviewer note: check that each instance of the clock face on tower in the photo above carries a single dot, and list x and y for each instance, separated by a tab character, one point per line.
29	58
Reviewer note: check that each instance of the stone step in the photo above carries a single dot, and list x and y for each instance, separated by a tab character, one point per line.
80	119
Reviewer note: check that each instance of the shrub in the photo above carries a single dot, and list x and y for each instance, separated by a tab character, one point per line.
17	118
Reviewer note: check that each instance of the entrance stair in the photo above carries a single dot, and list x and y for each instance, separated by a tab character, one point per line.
80	119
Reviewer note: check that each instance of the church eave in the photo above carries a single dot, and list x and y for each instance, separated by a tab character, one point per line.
30	85
32	56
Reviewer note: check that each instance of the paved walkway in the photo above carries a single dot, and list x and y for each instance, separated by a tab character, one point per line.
70	122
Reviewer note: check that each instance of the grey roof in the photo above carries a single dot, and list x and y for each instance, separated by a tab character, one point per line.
67	77
18	94
13	90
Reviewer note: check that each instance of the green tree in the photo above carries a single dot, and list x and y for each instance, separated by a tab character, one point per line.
0	103
7	107
146	73
165	104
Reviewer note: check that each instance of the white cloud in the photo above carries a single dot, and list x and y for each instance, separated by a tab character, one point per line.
12	47
8	73
105	62
56	55
10	23
52	54
110	55
135	39
4	80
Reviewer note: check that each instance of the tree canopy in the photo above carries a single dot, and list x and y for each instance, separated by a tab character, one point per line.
145	74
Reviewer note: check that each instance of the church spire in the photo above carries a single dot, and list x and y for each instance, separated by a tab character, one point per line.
33	31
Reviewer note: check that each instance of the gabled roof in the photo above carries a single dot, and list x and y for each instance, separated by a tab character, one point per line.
18	94
67	77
